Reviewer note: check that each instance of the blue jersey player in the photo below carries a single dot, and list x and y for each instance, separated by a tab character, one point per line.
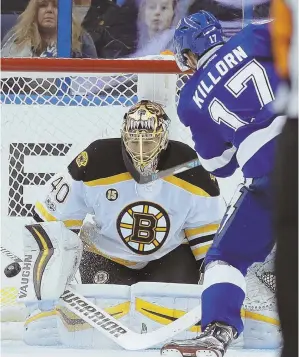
227	105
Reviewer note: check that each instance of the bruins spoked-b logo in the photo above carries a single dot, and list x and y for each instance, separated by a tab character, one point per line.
143	226
101	277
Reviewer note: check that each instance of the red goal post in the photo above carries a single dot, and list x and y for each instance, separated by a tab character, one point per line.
52	109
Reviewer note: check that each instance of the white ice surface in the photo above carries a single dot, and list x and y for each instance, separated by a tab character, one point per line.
19	349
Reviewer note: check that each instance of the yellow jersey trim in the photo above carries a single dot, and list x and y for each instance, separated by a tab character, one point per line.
49	217
201	250
186	186
209	228
110	180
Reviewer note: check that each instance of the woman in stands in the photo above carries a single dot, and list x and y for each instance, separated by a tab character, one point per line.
35	34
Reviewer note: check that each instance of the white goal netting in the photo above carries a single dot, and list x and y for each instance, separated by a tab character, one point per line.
47	120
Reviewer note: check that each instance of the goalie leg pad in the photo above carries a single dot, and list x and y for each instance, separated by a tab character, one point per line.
261	326
40	327
143	307
75	332
52	255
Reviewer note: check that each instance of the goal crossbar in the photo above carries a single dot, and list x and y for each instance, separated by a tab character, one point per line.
87	65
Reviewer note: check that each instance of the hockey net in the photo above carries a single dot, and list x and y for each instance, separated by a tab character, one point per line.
51	110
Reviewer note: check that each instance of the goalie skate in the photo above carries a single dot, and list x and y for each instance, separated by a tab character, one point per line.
213	342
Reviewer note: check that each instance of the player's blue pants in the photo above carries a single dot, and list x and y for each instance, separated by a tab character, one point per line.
244	237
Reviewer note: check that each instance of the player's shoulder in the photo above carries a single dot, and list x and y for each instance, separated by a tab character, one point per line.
101	159
196	180
257	27
252	35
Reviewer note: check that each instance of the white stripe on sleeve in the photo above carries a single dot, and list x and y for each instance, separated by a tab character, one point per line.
219	161
223	274
252	144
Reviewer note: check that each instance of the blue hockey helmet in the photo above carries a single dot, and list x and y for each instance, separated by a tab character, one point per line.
197	33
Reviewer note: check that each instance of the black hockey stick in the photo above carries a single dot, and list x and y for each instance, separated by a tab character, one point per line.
168	172
142	179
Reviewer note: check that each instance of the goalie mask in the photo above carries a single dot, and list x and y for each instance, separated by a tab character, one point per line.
145	135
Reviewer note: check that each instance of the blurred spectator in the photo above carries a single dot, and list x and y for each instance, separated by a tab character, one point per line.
156	24
261	11
112	27
222	10
229	13
35	34
12	6
80	8
82	2
10	10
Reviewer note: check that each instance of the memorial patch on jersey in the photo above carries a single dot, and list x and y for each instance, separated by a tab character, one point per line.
82	159
143	227
111	194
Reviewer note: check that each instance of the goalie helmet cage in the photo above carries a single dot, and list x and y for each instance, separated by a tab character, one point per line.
51	110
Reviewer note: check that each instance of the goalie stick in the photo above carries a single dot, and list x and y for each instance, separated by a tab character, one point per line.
141	179
115	330
168	172
119	333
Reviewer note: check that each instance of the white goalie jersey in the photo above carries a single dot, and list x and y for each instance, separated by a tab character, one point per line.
134	224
